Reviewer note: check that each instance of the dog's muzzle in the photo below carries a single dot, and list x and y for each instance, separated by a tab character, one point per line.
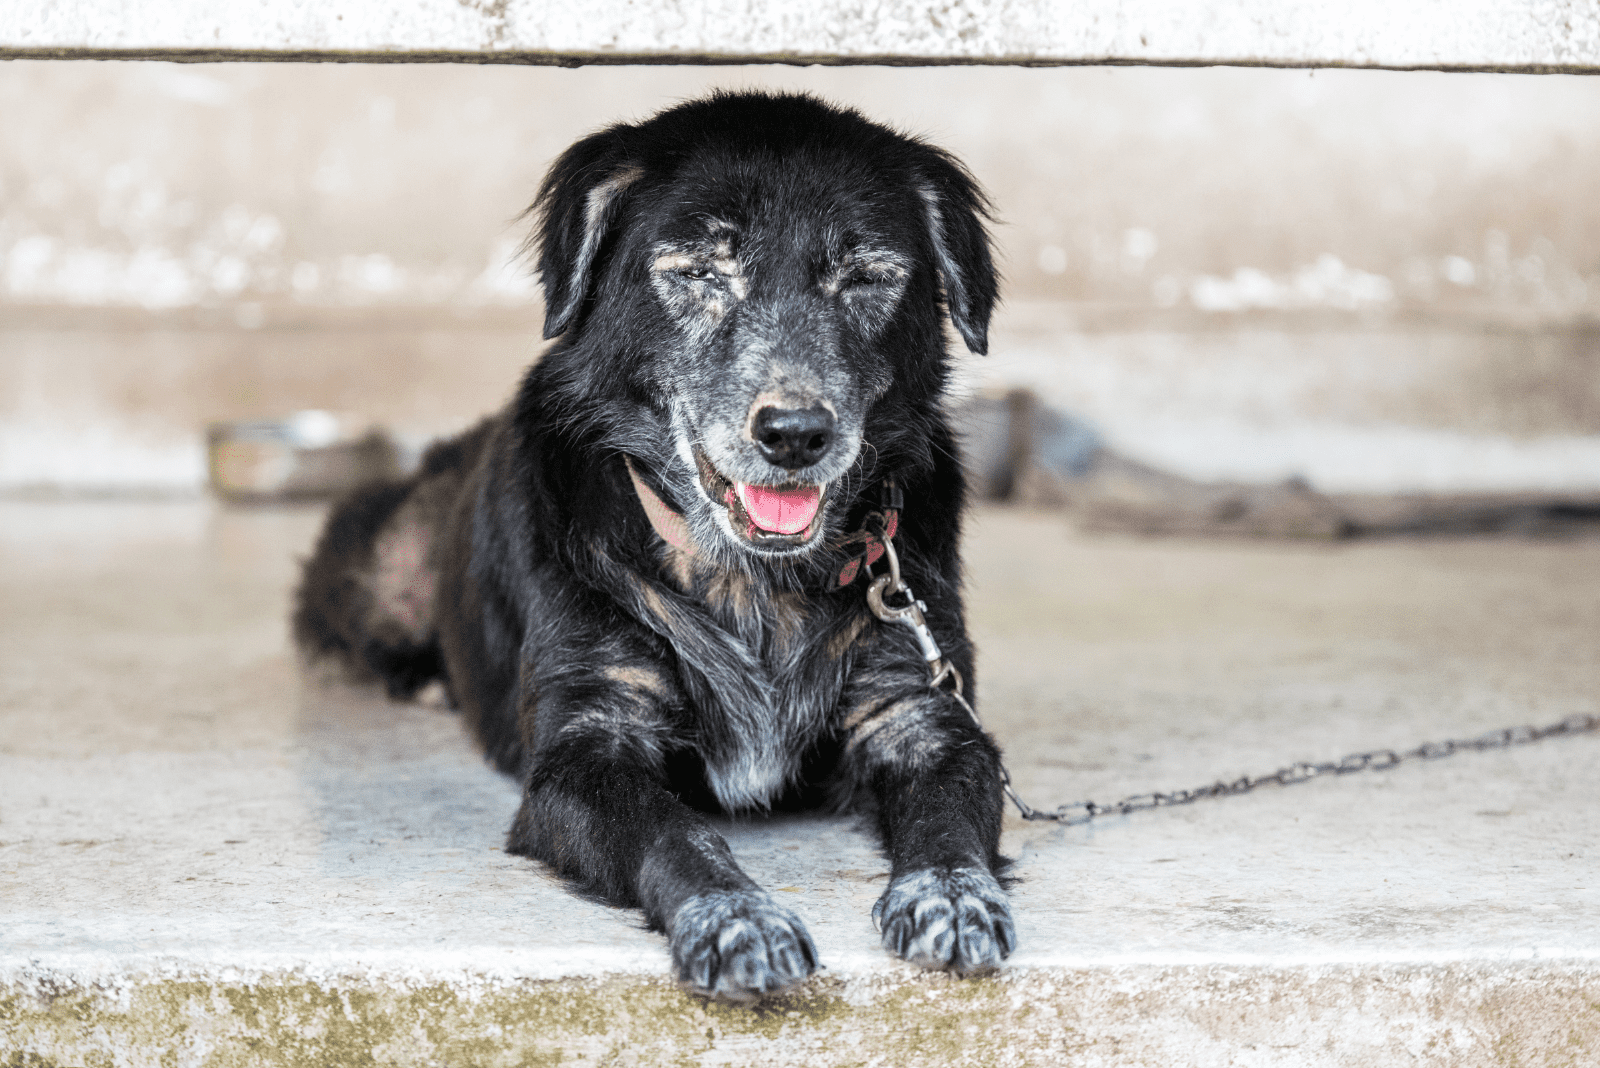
770	516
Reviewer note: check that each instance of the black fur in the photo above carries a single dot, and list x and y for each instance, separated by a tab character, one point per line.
732	255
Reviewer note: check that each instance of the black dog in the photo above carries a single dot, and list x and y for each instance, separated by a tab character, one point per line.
644	583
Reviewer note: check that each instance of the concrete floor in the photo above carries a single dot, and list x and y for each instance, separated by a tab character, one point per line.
205	859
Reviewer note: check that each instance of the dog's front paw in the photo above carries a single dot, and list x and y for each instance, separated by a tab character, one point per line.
958	919
739	945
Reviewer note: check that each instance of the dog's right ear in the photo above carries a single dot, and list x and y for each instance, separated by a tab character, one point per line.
577	204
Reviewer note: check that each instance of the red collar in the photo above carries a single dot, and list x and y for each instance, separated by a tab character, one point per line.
674	529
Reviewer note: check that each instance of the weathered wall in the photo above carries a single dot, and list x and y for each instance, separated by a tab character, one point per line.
162	185
1377	279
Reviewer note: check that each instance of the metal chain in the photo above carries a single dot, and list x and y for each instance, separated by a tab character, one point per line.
942	671
1376	760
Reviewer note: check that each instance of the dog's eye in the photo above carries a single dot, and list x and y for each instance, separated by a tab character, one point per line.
862	278
698	273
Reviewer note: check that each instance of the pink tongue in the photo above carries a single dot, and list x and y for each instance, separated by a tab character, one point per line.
780	511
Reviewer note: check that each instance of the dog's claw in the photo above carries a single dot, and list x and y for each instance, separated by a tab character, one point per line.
739	945
955	919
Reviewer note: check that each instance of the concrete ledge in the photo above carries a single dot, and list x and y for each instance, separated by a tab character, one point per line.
207	860
1216	1016
1526	35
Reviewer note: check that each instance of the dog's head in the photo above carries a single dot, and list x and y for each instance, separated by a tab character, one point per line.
762	278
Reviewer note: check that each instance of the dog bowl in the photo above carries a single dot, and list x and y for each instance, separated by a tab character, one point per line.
304	456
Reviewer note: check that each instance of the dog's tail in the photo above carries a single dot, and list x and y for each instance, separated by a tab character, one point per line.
346	608
366	596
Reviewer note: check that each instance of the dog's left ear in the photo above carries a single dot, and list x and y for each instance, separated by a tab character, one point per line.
577	204
956	210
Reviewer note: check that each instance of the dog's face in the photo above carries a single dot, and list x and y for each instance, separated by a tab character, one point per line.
775	290
765	273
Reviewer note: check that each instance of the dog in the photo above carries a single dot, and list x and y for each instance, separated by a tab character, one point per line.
644	584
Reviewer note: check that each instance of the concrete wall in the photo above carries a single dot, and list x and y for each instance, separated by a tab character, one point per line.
1377	279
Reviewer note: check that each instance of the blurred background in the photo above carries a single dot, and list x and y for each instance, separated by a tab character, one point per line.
1361	281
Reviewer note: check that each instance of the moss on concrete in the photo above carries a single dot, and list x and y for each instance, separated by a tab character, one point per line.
1460	1016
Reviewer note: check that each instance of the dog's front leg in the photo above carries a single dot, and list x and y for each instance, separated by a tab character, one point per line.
934	777
597	808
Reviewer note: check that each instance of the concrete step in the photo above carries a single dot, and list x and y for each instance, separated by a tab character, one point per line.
207	860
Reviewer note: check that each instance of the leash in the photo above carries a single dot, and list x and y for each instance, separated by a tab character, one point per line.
907	611
941	673
1377	760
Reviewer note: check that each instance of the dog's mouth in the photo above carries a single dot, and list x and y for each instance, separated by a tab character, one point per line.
770	516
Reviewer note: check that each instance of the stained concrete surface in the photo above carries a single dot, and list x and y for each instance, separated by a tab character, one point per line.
207	858
1536	34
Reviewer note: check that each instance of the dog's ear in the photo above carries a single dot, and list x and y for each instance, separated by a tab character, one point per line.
577	204
956	210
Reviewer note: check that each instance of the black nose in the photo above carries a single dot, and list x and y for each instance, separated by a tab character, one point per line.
793	437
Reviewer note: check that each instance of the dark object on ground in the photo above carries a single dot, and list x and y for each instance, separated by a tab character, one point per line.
642	582
299	458
1021	450
1544	515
